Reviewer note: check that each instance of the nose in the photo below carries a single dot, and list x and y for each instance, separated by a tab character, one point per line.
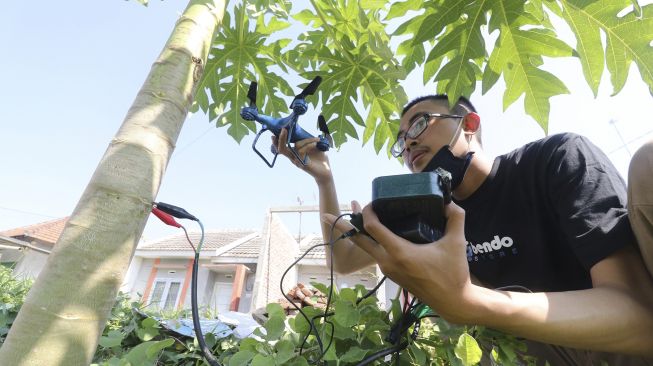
410	142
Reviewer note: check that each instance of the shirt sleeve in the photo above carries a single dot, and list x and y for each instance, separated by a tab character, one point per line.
589	198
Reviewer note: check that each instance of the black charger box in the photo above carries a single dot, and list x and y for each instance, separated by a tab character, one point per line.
410	205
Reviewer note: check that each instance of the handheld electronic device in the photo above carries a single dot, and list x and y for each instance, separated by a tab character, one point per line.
411	205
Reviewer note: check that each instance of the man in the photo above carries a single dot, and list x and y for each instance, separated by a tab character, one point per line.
550	217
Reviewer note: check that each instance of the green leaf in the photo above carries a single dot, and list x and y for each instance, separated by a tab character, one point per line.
628	38
274	327
588	46
419	354
514	54
147	352
348	294
241	358
113	339
306	16
346	315
299	324
154	349
273	25
238	57
149	329
275	310
298	361
262	360
354	354
400	8
467	350
285	351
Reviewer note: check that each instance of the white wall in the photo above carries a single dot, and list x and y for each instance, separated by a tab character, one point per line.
31	264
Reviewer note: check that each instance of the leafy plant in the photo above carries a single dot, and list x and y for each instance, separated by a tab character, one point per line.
354	331
357	331
12	296
457	44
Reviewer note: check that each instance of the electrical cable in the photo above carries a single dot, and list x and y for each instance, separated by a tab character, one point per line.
311	321
166	213
385	352
194	308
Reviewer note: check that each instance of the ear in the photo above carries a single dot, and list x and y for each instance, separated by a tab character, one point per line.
471	123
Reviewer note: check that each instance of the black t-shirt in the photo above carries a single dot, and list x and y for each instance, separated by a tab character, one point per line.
545	215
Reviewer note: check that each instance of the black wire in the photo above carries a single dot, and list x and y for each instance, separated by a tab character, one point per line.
310	324
313	328
196	318
328	303
372	291
385	352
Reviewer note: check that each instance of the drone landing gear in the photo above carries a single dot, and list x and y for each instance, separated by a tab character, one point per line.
275	152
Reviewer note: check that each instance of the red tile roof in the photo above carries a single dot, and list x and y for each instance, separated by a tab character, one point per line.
47	232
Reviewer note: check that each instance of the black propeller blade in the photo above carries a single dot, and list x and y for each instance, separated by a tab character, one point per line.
322	125
309	89
251	93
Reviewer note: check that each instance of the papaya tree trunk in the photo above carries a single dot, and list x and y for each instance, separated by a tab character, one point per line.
66	310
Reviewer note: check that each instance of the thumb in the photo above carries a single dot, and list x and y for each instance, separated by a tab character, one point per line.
455	220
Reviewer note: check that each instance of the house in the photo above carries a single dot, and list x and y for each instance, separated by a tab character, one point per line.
26	248
238	270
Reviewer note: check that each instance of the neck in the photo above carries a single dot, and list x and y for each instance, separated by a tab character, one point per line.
478	171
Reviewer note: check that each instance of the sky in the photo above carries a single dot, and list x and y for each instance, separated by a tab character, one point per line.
70	70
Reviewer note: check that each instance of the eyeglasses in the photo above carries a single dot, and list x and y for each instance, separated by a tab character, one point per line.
417	127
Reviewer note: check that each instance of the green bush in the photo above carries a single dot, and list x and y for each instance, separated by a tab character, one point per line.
12	295
354	332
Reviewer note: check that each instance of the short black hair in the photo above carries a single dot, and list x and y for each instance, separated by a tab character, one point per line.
462	106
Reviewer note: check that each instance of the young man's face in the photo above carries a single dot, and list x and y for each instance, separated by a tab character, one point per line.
438	133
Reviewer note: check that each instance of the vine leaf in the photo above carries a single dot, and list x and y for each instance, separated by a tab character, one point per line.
467	350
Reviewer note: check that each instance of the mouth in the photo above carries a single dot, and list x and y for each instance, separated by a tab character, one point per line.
416	157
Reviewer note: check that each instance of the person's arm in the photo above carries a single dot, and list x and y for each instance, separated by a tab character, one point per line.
614	316
347	256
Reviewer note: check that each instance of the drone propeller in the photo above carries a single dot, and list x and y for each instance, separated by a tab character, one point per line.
309	89
322	125
251	93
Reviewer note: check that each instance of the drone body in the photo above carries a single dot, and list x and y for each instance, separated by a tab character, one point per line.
295	133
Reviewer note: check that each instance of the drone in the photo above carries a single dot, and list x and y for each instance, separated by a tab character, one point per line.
298	106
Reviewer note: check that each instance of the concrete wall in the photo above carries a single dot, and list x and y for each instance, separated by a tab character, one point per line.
279	251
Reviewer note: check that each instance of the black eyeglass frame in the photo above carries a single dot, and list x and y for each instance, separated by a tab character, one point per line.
399	145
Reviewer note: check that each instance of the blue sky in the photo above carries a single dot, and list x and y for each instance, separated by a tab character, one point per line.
70	70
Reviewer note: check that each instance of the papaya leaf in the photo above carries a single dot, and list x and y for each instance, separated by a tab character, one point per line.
628	38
